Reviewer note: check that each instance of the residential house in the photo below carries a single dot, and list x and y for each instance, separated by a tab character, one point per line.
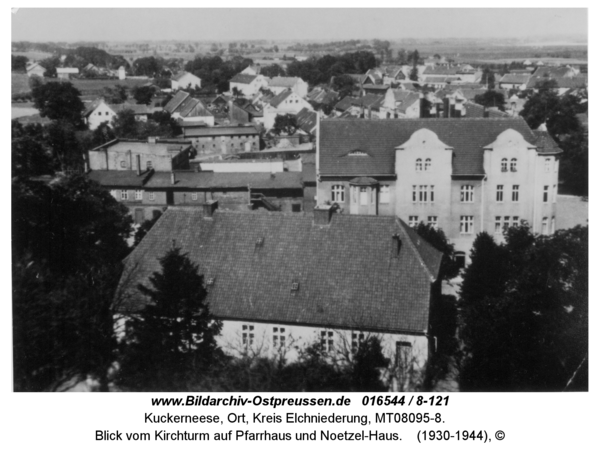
100	111
184	80
252	70
407	103
280	84
189	109
286	102
35	69
280	283
247	84
65	73
307	121
514	81
221	139
462	175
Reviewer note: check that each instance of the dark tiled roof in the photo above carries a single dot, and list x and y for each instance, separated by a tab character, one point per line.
309	172
243	78
176	101
287	82
279	98
114	178
344	104
345	280
379	138
545	143
307	120
209	179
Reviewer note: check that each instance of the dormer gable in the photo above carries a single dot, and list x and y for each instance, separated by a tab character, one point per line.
424	140
509	139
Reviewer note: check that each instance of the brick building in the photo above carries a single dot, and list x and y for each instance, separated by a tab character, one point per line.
221	139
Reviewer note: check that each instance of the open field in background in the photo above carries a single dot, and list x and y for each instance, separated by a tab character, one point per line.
89	85
33	56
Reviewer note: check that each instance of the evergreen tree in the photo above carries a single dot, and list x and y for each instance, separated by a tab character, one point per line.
171	343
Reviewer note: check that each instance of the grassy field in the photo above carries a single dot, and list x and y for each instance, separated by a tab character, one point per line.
96	86
19	83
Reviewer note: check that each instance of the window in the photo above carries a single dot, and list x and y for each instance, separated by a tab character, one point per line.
466	193
545	225
554	193
151	196
278	337
124	195
414	193
431	193
504	165
327	341
364	196
515	222
466	224
499	193
553	226
149	165
498	225
403	355
427	164
247	335
138	195
432	221
506	223
515	193
422	193
547	165
357	338
513	165
413	221
384	196
194	196
123	164
419	165
106	113
337	193
545	195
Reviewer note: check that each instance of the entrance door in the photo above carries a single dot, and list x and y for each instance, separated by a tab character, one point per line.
353	200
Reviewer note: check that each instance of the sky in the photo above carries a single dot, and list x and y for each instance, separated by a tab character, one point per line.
112	24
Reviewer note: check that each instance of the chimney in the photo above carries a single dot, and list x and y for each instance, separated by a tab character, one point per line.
322	214
152	140
446	107
208	208
172	178
423	113
139	164
369	111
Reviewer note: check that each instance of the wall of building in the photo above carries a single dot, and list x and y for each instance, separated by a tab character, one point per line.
325	194
102	113
226	144
298	337
241	166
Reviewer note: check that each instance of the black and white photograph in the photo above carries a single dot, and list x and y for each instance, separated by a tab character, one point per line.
299	200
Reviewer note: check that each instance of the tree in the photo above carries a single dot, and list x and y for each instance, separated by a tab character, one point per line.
143	94
491	98
124	124
172	341
449	268
344	85
366	365
59	101
414	74
285	125
18	63
29	154
525	312
115	95
273	70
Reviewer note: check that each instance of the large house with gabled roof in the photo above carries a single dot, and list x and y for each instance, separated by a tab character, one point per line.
463	175
281	282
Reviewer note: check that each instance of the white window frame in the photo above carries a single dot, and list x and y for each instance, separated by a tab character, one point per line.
247	335
327	341
278	337
139	195
364	198
545	226
151	196
413	220
516	221
546	194
467	193
467	223
515	193
513	165
498	225
499	193
547	165
419	165
504	165
124	195
194	196
427	164
432	220
338	193
357	338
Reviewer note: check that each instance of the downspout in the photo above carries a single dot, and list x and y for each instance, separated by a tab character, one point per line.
318	157
482	201
534	219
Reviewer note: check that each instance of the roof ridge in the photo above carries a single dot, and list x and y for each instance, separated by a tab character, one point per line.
404	227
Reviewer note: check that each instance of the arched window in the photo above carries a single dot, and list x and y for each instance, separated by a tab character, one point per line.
504	165
427	164
513	165
419	165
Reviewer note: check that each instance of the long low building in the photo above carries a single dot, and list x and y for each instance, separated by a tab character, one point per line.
149	193
280	282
